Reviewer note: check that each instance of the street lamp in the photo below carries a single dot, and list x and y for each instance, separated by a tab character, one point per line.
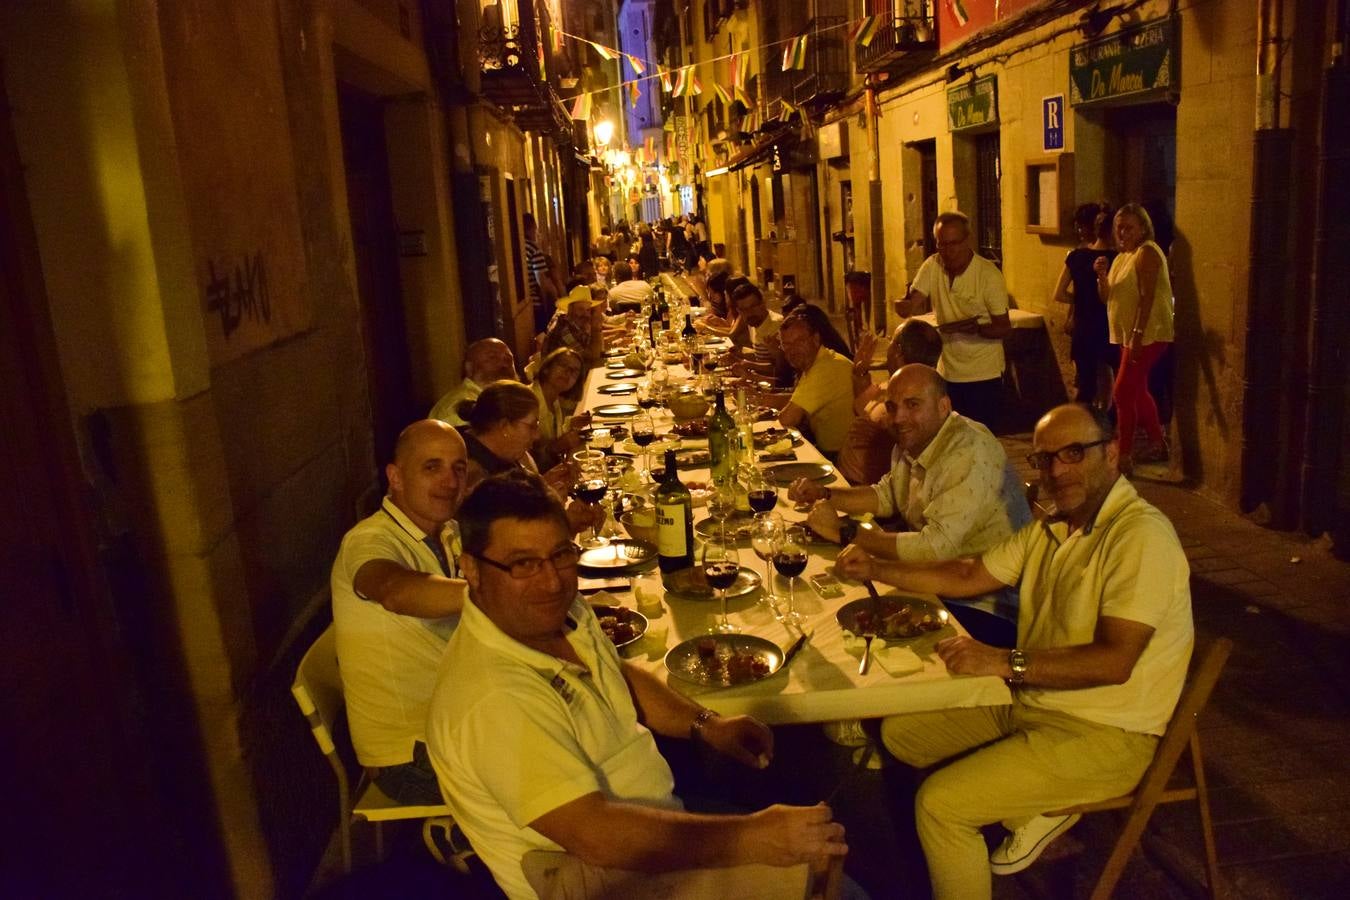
604	130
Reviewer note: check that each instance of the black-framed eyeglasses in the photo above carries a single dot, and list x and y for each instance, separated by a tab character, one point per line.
1068	454
562	559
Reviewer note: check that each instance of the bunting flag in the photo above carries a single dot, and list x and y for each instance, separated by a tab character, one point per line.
557	39
864	31
787	111
695	86
605	53
638	67
681	81
666	85
722	94
649	145
634	94
959	12
582	108
794	53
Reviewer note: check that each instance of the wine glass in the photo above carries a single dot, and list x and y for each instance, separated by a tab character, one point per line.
644	432
660	378
722	500
789	558
721	565
761	493
591	487
766	533
602	439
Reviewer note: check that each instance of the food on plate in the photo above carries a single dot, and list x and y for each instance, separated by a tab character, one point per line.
730	665
897	620
621	625
692	428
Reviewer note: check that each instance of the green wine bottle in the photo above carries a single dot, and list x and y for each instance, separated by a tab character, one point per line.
674	520
721	435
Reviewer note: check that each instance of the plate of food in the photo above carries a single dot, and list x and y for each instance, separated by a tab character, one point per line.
691	584
620	624
616	410
685	459
786	473
615	363
619	387
893	617
694	428
773	433
737	527
723	660
619	554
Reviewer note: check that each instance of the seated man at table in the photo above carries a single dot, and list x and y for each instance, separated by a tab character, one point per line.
869	446
1104	639
822	401
968	295
951	485
542	736
397	596
628	292
485	361
762	348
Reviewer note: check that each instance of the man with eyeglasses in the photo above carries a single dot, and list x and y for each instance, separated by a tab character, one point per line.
970	299
1104	639
397	594
542	736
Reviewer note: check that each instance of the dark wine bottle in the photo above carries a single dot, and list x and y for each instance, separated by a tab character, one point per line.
674	520
721	433
688	332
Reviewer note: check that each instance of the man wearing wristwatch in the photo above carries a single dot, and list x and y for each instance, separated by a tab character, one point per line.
950	483
1104	639
542	737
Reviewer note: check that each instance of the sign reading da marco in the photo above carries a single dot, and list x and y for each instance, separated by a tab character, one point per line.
973	105
1131	61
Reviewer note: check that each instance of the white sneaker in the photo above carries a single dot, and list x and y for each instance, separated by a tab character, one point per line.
1022	848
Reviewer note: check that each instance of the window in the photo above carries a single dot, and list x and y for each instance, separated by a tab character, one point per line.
988	198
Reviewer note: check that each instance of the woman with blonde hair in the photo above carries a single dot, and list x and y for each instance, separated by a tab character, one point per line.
558	373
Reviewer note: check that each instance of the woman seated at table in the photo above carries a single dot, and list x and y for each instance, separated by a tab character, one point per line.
503	423
558	435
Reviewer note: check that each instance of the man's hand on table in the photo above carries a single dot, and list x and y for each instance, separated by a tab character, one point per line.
854	563
744	739
788	835
964	655
824	520
804	490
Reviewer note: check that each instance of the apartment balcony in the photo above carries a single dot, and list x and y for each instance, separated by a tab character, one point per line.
825	76
517	65
899	41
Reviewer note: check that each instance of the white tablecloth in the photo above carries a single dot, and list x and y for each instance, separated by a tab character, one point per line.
822	682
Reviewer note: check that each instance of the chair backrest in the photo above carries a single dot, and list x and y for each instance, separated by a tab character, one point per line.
1193	699
318	689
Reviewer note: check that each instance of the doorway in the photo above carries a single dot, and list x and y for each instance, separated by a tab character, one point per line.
988	198
375	249
928	192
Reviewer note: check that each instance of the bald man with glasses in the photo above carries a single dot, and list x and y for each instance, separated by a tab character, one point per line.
1104	639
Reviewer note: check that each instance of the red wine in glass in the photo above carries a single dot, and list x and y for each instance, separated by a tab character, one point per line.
710	362
648	402
763	500
643	438
593	491
722	575
789	564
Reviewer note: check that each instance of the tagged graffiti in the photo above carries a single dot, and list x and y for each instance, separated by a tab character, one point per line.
238	292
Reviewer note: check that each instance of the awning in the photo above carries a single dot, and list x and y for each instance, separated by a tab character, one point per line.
760	149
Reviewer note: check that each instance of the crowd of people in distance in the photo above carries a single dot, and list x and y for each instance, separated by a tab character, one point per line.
475	673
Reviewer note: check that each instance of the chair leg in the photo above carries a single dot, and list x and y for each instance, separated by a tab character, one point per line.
1206	823
458	858
379	841
1130	834
345	841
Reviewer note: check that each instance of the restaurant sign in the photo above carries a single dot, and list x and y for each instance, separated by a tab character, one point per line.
973	105
1131	61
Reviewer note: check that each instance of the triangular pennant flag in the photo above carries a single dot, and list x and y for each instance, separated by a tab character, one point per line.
787	53
582	108
649	144
666	85
788	110
722	94
605	52
864	31
742	96
681	81
638	67
634	94
799	54
695	86
959	12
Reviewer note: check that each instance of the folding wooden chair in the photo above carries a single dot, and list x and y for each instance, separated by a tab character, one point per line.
1156	787
318	692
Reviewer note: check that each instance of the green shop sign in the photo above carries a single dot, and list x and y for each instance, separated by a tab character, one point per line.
973	105
1131	61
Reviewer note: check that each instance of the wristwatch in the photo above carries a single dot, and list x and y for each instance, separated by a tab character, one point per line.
696	727
1017	661
847	532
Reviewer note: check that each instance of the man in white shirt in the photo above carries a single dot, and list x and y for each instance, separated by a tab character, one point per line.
397	596
485	361
542	736
970	300
1104	639
629	291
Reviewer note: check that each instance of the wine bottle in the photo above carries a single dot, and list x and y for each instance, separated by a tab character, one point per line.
688	332
674	520
721	433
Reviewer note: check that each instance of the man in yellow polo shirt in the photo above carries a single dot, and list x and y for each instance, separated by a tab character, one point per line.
1104	637
823	398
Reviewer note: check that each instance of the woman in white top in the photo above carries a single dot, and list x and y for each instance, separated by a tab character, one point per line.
558	436
1138	293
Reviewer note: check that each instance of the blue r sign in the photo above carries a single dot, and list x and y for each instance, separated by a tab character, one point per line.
1053	119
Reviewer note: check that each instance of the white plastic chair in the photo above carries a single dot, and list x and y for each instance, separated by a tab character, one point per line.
318	692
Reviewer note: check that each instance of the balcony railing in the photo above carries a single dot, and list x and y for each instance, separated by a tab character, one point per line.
518	68
896	38
825	76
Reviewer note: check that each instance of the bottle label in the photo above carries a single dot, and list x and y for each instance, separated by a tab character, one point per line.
670	530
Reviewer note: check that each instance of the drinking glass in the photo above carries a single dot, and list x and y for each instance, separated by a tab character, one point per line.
761	493
591	486
789	558
644	432
721	565
765	535
602	439
660	378
722	500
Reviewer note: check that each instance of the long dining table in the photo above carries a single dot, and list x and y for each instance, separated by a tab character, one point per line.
821	683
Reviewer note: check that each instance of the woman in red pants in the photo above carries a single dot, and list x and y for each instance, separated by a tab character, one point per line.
1138	294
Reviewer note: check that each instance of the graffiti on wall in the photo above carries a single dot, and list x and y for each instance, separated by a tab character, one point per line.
238	292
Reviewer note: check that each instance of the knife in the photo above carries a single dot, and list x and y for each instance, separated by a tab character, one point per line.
796	647
871	634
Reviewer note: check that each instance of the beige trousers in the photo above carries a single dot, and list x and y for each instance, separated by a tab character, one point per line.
1022	762
561	876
